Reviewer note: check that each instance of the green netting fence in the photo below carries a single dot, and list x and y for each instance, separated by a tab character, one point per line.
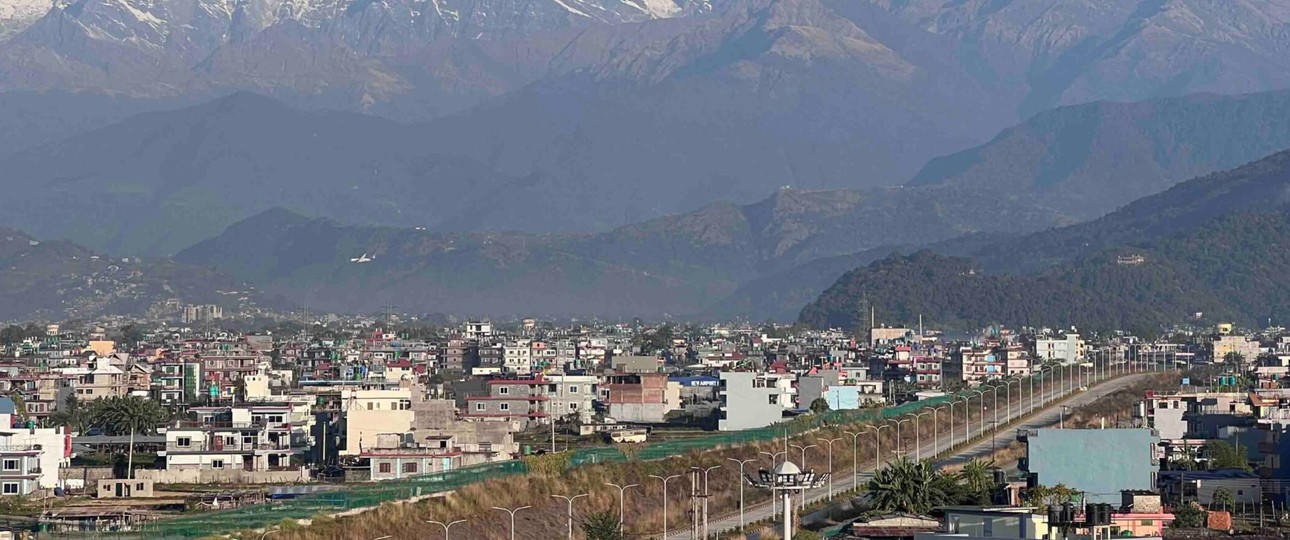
355	496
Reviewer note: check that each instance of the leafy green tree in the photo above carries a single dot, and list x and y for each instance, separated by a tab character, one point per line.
130	335
1225	456
1188	516
602	526
1223	499
820	405
910	486
1044	496
1234	358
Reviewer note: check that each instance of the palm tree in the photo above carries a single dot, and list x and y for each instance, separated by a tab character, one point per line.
119	415
977	479
909	486
73	414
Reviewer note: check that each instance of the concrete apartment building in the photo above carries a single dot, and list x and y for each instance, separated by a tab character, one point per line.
523	401
372	412
751	400
1224	346
639	397
30	458
839	394
252	439
1067	349
573	394
100	381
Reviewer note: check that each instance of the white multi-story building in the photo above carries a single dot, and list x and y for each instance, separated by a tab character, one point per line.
517	357
30	457
752	400
254	438
1068	348
573	394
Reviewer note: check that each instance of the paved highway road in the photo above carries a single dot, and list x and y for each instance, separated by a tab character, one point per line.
1043	417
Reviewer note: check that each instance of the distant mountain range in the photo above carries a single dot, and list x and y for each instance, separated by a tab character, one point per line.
59	280
1214	245
1086	160
588	114
674	265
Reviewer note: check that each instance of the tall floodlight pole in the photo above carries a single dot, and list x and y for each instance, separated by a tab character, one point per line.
782	481
803	449
773	463
665	480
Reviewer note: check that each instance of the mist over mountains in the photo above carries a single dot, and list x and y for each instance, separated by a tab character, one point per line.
621	149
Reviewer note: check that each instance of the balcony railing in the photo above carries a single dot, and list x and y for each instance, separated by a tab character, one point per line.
20	447
229	448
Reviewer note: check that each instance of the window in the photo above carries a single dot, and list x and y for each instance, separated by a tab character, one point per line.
573	389
502	391
385	468
504	406
183	442
774	400
410	467
10	464
217	464
1146	522
573	406
10	488
369	405
479	407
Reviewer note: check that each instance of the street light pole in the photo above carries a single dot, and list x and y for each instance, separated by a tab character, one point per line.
665	480
446	526
774	500
877	450
936	431
899	439
706	493
803	449
741	463
512	513
918	434
831	441
622	501
855	458
570	501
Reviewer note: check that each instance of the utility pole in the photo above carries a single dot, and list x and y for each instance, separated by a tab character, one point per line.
696	506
